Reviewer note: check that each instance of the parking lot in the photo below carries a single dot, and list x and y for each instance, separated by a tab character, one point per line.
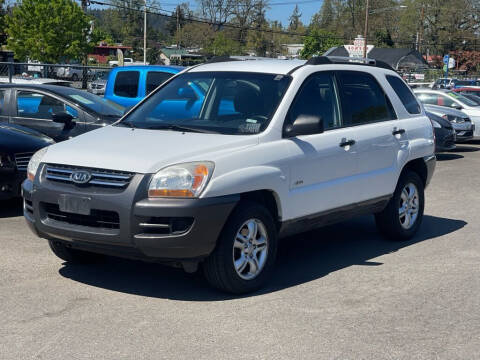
341	292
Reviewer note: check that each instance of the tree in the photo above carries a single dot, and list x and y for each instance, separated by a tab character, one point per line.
318	41
327	15
217	12
223	45
48	30
294	19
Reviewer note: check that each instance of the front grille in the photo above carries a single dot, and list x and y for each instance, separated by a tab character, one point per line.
166	225
97	218
100	177
22	160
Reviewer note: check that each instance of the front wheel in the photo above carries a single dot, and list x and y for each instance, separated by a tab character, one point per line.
246	249
403	215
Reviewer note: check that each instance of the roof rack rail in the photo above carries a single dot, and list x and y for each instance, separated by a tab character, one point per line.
324	60
222	58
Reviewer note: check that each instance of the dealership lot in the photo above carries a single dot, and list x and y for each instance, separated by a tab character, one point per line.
339	292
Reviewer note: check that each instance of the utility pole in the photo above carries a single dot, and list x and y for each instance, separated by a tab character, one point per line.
366	31
145	34
85	58
178	26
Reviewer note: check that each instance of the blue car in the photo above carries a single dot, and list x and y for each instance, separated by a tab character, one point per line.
127	85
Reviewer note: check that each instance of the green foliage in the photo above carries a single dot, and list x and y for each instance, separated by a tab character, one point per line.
318	41
48	30
223	45
153	56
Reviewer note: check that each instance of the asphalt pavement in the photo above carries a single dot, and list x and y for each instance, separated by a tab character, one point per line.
341	292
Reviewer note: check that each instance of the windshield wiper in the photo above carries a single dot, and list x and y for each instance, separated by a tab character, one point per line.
175	127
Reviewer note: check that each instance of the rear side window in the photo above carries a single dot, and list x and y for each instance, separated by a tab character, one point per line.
155	79
363	100
126	84
406	97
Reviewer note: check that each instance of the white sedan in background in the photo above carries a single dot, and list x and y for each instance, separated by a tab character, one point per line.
453	100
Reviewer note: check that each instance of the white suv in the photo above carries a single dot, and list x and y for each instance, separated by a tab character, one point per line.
224	158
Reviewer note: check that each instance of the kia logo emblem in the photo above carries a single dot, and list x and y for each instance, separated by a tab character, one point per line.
81	177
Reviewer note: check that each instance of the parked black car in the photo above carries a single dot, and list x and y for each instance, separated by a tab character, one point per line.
445	136
57	111
17	145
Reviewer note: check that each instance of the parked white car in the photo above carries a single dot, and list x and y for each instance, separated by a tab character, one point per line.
126	62
74	73
224	158
453	100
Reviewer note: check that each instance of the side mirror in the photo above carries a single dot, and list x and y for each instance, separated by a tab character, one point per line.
187	93
458	107
304	125
64	117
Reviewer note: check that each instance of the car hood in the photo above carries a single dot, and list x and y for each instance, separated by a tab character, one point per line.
18	139
443	110
142	151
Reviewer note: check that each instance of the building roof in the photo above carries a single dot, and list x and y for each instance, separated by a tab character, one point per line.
396	58
173	51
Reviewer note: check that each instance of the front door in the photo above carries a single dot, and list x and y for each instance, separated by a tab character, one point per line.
34	110
323	165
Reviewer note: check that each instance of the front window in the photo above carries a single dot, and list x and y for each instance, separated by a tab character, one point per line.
94	103
219	102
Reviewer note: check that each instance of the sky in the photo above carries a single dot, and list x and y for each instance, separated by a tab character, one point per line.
275	12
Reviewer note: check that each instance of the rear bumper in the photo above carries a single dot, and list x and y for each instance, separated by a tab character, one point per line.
430	163
150	229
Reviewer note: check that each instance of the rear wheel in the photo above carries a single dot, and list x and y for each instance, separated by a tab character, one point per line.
403	215
72	255
245	254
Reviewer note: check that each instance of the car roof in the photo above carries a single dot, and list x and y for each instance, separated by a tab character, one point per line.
170	68
57	89
258	66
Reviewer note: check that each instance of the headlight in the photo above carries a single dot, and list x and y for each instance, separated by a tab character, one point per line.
436	124
181	180
35	162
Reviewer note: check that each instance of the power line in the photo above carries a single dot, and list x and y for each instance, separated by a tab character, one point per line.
192	18
201	20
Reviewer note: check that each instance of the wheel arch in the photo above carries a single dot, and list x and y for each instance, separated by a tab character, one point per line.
267	198
418	166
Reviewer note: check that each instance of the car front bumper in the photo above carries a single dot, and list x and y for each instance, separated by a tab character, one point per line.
159	229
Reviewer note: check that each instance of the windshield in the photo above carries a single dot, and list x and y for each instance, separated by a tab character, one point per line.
220	102
461	98
473	98
94	103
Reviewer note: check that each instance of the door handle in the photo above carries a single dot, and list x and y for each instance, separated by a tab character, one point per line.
347	143
398	132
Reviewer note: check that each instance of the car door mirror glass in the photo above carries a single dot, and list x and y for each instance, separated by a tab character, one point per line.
305	125
62	117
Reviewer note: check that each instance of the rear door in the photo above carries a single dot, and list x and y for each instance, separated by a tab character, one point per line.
378	134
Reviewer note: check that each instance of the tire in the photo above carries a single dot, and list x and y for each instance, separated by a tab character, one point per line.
74	77
394	224
72	255
219	268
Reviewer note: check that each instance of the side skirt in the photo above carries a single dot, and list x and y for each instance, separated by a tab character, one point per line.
333	216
